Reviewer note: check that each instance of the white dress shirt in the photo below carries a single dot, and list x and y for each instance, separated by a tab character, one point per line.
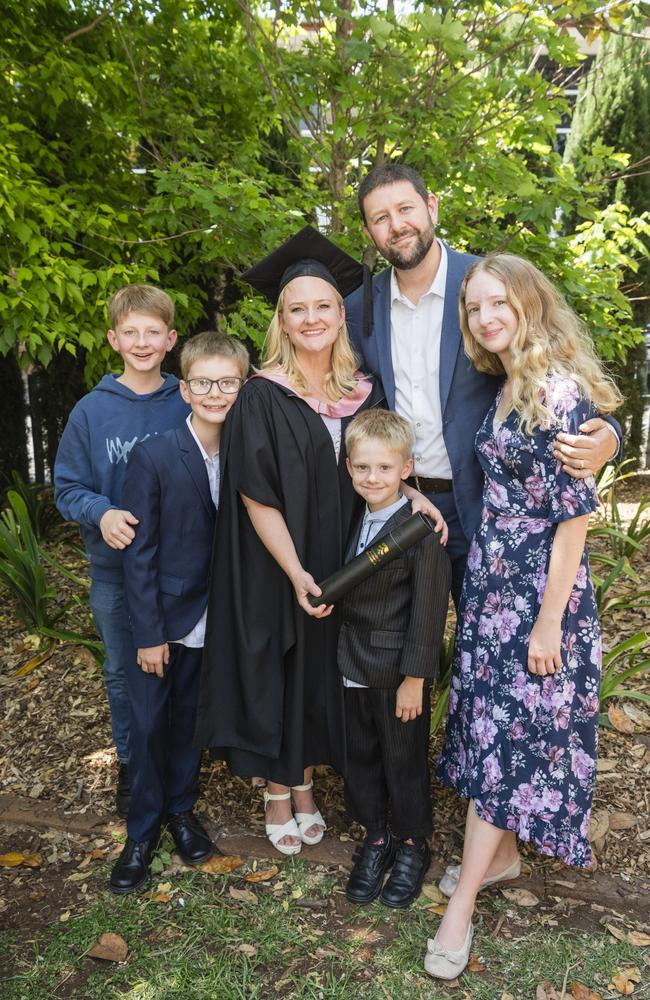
372	522
196	637
416	331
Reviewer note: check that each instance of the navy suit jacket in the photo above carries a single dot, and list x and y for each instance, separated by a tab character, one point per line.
167	565
465	394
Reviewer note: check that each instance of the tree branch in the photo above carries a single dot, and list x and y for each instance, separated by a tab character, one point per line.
93	24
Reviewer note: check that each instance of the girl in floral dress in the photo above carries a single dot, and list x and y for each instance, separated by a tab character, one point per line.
521	736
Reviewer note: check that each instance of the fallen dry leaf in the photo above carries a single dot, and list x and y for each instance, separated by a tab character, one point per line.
605	764
581	992
620	720
97	854
157	897
622	820
545	991
221	864
33	860
248	949
520	897
110	948
506	996
12	859
637	715
624	981
242	895
475	964
616	932
263	876
440	909
639	939
37	895
599	824
433	893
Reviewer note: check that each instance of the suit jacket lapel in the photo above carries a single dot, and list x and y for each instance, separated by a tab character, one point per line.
353	539
398	517
195	465
381	324
451	337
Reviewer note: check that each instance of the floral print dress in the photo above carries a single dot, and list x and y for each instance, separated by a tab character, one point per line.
523	746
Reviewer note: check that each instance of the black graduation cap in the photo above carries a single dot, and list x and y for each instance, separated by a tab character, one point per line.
310	254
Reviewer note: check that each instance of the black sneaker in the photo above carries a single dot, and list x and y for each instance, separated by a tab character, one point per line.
123	790
131	870
370	865
405	881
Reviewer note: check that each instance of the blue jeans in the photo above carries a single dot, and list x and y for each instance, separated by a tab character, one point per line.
108	606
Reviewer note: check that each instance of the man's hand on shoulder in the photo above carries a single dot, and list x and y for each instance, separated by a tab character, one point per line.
154	659
582	455
115	526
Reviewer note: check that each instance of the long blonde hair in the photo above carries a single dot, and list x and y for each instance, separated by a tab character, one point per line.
550	341
279	355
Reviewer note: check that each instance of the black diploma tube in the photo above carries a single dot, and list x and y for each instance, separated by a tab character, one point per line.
383	551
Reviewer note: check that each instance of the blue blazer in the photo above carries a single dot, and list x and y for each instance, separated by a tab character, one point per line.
465	394
167	565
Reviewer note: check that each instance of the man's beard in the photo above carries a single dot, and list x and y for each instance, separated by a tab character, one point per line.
410	258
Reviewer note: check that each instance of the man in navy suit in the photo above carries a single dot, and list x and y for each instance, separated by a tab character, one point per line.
172	488
416	347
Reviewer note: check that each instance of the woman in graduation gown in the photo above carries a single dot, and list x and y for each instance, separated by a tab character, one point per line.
271	701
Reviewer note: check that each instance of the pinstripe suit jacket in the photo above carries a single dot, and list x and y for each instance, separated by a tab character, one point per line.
393	622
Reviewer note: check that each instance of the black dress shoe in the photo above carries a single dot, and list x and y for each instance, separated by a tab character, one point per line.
370	865
405	881
123	790
131	870
192	841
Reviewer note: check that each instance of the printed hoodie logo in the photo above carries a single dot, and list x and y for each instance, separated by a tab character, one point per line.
118	451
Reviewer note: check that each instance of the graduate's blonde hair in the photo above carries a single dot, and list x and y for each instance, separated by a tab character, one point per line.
279	355
550	341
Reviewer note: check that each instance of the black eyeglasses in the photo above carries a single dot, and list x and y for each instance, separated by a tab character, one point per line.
202	386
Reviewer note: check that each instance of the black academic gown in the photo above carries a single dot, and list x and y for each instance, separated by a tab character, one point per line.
271	698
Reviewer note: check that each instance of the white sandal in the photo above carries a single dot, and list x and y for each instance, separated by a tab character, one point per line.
276	831
306	820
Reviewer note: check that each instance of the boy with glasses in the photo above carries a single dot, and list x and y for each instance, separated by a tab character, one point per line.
172	487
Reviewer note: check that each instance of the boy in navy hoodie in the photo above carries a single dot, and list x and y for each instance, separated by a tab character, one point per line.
89	475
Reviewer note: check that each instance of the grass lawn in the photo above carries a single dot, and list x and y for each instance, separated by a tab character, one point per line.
219	937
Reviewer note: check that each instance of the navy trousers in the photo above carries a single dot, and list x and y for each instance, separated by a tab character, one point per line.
457	545
163	764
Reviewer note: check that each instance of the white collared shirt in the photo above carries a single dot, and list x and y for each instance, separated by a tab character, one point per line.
370	526
196	637
416	332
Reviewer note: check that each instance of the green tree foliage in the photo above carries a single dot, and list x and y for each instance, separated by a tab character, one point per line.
176	140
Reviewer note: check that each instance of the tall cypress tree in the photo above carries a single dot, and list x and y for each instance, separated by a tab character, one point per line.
613	109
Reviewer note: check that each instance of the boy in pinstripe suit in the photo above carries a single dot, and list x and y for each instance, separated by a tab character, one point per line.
389	649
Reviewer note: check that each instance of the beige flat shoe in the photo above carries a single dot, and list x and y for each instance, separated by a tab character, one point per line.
441	963
449	880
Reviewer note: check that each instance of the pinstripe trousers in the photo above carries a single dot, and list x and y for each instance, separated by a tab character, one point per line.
387	779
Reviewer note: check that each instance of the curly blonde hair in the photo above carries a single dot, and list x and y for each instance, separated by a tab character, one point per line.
279	355
551	341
